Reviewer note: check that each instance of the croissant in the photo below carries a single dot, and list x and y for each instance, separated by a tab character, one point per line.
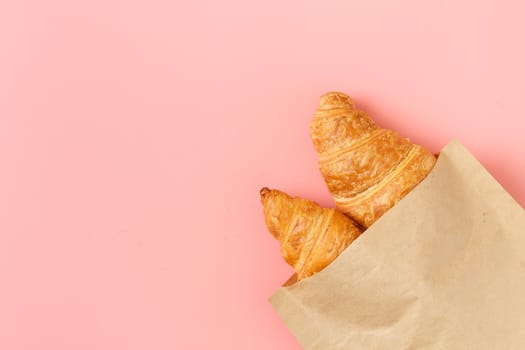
311	237
367	169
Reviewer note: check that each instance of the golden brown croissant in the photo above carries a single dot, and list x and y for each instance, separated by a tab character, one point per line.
367	169
311	237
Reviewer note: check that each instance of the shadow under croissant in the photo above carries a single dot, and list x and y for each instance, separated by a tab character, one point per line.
290	280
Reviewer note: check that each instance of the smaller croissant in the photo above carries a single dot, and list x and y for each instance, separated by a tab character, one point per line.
368	169
311	237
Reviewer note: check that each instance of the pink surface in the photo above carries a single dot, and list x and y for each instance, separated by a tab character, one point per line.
135	135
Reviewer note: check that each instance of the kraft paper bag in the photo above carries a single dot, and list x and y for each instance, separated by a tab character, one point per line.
443	269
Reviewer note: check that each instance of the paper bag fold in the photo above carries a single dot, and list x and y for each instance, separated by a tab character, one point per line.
443	269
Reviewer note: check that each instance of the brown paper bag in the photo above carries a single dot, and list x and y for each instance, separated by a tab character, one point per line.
443	269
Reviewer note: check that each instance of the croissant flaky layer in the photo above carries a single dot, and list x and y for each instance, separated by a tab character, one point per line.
311	237
366	168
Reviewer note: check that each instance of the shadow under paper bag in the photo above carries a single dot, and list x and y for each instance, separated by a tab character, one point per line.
443	269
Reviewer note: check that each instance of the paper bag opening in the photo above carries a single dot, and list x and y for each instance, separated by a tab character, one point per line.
443	269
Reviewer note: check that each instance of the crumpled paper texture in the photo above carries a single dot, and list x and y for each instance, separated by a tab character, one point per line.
443	269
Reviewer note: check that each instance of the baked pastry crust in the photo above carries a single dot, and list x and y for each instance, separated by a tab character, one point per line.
311	237
367	169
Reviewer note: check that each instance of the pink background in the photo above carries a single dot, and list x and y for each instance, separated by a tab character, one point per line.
135	135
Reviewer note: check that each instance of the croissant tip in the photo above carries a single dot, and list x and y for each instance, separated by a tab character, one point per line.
265	191
334	93
335	99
